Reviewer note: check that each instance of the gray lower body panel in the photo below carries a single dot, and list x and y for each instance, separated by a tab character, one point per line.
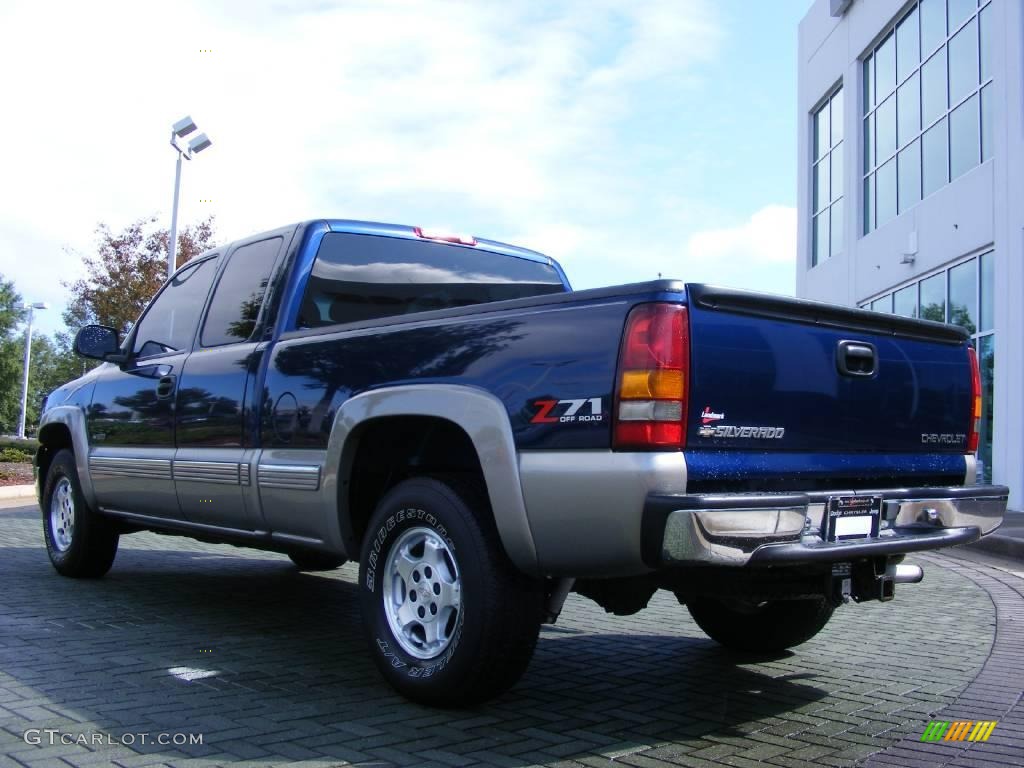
585	507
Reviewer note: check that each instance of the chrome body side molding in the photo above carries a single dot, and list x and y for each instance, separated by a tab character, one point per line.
296	477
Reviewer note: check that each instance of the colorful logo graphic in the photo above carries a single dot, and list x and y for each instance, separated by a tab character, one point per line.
959	730
707	415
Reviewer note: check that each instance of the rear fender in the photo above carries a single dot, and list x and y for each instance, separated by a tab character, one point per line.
479	414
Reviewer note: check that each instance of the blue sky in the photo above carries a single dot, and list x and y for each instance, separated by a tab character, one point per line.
625	139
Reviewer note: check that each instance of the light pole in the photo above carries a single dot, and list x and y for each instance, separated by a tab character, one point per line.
180	130
28	355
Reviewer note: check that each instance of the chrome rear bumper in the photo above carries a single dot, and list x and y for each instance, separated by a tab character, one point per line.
789	528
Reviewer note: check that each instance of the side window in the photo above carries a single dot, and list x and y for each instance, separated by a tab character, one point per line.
170	322
239	294
364	277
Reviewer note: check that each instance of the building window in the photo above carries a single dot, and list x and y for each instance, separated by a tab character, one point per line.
962	295
827	179
927	104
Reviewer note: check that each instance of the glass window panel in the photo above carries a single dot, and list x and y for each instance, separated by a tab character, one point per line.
908	110
885	192
986	361
836	120
869	204
362	277
985	20
933	298
885	130
959	10
883	304
821	184
986	122
836	183
821	143
885	68
963	63
988	279
933	88
935	153
820	237
170	322
239	294
908	47
933	24
905	301
869	84
964	137
909	169
837	227
963	295
869	142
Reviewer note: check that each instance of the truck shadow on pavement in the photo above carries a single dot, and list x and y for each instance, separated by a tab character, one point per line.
271	664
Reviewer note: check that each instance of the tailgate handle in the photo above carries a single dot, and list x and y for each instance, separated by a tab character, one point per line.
857	358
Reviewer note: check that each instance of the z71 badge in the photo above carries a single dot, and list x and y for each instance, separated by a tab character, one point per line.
567	411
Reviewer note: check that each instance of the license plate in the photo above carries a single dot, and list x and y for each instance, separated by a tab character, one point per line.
852	517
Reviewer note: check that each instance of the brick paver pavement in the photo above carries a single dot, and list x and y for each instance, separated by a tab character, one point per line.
270	667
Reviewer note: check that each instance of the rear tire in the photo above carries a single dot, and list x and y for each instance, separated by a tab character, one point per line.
315	561
766	627
80	542
450	621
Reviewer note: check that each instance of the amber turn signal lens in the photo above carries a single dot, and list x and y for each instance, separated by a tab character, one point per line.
652	385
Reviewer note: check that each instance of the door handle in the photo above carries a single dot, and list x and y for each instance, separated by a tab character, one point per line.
165	387
856	358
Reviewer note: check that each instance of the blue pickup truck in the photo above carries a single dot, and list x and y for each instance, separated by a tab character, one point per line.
484	440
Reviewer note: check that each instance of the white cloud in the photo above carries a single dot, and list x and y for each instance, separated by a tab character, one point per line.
757	254
445	112
767	237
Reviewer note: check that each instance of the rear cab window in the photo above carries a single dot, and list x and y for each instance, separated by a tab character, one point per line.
364	277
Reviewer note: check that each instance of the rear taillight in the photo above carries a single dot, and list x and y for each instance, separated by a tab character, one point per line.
975	431
650	403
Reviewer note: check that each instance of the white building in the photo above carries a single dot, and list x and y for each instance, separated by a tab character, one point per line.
911	182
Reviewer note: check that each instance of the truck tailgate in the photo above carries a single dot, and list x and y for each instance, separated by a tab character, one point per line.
771	374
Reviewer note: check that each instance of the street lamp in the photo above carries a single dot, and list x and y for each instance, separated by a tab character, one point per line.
180	130
28	355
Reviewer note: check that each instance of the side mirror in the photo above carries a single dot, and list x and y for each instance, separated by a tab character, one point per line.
99	342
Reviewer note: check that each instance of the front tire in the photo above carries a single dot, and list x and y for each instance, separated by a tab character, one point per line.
766	627
81	543
449	619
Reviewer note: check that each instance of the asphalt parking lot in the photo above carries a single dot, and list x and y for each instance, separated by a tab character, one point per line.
269	666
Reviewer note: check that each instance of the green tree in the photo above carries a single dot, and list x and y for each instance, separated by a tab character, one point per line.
11	314
50	365
48	369
127	270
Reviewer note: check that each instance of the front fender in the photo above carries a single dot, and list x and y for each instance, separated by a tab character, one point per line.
73	418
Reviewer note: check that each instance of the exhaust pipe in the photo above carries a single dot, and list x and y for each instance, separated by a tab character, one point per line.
905	574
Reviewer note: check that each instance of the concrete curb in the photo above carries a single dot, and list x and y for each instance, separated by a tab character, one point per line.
1000	544
18	492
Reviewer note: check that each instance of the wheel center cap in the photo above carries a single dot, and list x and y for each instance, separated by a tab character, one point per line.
424	593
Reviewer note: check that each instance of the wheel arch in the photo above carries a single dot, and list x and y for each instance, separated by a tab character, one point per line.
60	428
454	410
